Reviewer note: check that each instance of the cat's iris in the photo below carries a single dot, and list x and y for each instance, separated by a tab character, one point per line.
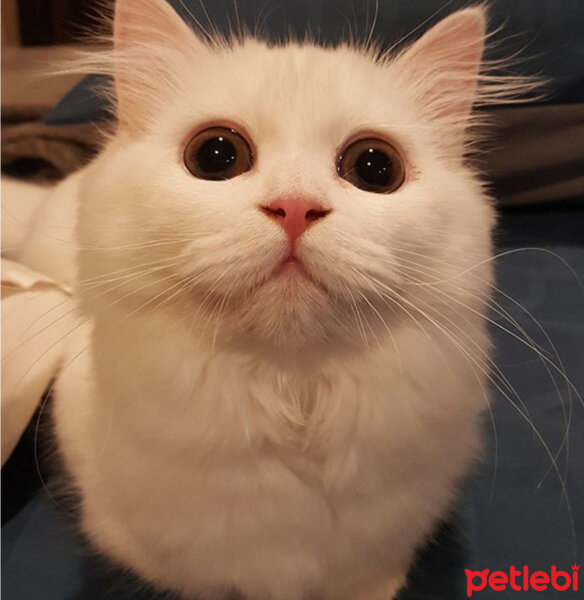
218	153
372	165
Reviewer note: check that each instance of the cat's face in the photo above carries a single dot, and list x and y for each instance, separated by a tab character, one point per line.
292	196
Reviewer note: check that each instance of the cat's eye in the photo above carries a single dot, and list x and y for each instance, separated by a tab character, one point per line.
218	153
373	165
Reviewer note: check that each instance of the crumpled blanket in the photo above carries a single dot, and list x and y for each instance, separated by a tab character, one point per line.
37	152
37	316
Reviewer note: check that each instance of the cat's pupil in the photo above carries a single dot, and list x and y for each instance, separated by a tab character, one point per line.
374	167
216	155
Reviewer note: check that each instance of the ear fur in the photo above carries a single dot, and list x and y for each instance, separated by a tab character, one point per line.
443	67
151	43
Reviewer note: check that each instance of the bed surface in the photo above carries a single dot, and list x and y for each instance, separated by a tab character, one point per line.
511	512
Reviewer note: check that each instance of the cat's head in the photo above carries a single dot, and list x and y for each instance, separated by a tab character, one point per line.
287	198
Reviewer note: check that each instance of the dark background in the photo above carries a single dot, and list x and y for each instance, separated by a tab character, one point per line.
45	22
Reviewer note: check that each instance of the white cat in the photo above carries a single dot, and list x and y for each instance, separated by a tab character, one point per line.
282	271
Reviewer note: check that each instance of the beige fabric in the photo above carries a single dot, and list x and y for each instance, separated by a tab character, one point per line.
37	317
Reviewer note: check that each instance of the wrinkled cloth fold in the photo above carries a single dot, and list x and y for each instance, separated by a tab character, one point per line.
38	152
38	315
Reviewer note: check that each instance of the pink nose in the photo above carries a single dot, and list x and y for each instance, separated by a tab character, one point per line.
295	215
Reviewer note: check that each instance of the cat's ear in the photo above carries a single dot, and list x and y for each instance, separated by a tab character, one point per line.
151	42
443	66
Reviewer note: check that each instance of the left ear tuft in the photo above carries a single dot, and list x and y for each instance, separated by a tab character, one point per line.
151	43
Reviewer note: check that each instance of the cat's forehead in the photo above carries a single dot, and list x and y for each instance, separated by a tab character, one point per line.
303	86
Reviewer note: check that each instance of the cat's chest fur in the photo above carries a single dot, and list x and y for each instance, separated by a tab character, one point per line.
206	467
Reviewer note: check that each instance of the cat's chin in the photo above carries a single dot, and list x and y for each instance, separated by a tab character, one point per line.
289	310
292	315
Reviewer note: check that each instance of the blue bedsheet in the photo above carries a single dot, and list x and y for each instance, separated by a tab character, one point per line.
512	512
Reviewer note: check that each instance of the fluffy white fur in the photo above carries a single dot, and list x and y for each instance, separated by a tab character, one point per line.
289	437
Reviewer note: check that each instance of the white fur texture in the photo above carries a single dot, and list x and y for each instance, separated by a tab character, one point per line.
294	436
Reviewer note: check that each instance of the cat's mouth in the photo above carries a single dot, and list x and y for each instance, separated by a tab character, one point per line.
292	266
293	270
